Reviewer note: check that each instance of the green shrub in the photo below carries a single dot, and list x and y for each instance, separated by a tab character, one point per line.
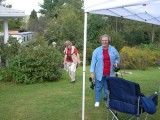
154	51
152	46
5	74
137	58
36	64
89	55
31	63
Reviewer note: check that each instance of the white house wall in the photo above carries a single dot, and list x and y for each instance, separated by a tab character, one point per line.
23	38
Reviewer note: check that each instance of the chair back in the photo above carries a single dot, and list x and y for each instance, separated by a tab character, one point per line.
123	95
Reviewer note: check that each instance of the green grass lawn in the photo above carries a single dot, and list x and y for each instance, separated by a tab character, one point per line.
62	100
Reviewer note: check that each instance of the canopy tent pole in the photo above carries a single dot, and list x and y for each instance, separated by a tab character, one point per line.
84	65
5	30
152	33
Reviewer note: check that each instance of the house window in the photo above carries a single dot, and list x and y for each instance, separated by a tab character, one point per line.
24	39
27	38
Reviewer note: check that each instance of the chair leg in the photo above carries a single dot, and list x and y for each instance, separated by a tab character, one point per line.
146	116
108	115
114	116
131	118
138	118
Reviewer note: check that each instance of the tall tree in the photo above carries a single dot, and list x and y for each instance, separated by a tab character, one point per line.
50	7
135	33
43	25
69	25
33	21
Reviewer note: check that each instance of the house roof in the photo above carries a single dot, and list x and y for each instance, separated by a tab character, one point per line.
8	12
22	33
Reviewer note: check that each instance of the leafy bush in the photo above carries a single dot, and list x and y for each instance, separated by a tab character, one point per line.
137	58
155	54
36	64
89	55
8	49
5	75
152	46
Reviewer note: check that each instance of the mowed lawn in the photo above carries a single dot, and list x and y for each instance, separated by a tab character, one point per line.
62	100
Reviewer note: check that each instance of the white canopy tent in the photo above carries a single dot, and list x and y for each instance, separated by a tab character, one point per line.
5	14
139	10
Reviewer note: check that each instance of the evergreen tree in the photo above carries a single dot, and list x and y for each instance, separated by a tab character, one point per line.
33	21
50	8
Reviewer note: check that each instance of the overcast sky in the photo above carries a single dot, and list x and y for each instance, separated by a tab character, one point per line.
25	5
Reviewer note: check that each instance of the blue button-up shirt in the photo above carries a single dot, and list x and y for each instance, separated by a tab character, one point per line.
97	64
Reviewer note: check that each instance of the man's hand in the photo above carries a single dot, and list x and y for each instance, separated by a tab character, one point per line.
79	62
115	65
64	62
92	75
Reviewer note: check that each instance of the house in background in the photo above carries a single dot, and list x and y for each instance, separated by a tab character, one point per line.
22	37
8	13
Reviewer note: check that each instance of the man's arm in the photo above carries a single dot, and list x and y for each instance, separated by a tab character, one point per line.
78	58
65	56
77	54
92	66
64	61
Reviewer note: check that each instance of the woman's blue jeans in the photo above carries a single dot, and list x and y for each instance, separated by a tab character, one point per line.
99	86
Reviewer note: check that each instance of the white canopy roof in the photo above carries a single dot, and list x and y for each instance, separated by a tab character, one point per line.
8	12
140	10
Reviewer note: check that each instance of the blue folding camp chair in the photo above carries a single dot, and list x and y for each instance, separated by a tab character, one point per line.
125	97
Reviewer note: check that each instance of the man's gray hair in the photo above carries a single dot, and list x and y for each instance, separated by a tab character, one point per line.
105	35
